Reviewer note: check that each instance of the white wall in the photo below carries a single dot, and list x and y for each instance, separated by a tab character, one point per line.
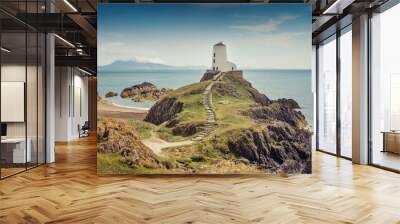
62	82
80	109
71	103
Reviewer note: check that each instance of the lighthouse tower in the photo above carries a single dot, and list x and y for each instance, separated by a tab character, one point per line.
219	60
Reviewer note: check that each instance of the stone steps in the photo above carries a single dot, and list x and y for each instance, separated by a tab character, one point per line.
208	105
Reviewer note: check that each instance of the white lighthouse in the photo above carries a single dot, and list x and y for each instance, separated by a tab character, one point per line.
219	60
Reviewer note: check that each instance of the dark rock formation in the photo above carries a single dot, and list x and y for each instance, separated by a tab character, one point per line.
277	111
111	94
208	75
288	102
164	110
277	147
259	97
144	91
187	129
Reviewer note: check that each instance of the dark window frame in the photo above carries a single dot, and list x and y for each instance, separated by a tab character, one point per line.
336	35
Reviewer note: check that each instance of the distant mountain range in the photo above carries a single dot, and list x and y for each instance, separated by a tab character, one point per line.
132	65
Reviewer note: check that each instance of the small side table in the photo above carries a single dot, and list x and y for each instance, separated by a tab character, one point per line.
391	141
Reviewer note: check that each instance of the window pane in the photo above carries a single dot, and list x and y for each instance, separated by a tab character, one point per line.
346	94
385	114
327	96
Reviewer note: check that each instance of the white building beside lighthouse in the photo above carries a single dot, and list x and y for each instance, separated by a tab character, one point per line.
219	60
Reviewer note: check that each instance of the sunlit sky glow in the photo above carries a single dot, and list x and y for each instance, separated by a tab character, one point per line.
256	35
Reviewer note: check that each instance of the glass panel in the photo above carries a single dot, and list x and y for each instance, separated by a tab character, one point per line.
31	98
327	96
13	86
346	94
41	99
32	88
385	84
23	90
314	91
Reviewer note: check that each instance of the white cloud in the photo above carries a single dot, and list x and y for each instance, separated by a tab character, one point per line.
151	60
286	39
264	27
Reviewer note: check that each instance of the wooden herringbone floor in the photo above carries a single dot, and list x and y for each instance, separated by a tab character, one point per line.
69	191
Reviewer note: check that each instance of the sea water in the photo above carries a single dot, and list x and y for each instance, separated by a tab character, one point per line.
293	84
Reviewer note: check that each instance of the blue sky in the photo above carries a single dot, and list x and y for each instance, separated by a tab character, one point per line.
256	35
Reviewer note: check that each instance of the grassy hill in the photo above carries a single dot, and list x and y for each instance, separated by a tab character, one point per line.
251	133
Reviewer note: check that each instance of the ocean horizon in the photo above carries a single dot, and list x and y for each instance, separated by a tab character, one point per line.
274	83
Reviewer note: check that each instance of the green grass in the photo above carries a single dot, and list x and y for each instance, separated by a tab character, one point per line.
192	97
228	108
111	163
143	128
229	111
166	134
193	110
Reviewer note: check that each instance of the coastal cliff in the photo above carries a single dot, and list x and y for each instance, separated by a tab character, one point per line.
250	128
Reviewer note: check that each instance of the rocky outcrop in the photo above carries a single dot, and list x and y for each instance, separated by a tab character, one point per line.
237	77
238	74
288	102
277	111
111	94
187	129
117	136
226	89
279	147
259	97
281	142
209	75
164	110
144	91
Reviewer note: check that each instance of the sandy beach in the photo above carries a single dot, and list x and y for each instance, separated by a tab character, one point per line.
107	109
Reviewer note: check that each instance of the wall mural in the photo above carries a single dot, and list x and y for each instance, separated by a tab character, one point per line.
204	89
